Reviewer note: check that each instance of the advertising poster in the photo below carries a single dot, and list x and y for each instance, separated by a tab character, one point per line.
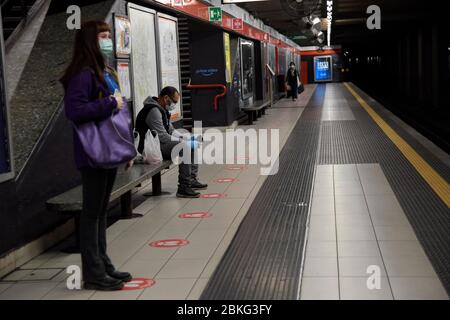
323	68
144	66
226	45
169	63
122	29
123	70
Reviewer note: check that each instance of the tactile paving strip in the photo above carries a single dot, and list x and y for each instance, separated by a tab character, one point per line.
363	141
264	259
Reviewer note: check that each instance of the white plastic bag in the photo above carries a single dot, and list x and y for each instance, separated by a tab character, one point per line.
152	150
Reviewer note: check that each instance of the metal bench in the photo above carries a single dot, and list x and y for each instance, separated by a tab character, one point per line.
256	110
71	201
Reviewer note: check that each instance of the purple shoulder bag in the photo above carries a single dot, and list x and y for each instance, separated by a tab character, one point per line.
108	143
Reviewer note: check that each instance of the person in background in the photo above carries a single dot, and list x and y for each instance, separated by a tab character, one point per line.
155	116
92	94
292	80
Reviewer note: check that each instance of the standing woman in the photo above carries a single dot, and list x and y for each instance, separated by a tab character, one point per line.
292	80
91	95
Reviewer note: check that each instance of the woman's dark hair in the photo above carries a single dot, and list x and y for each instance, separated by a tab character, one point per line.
86	51
168	91
292	63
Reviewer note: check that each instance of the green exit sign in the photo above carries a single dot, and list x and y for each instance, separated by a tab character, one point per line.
215	14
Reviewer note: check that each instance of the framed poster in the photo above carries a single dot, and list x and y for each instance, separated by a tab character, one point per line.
6	163
323	68
247	68
169	62
227	49
123	71
144	65
122	31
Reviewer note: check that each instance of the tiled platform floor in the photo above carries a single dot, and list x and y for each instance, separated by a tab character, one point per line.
179	273
357	222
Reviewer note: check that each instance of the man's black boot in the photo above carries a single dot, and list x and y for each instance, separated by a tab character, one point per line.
196	185
187	192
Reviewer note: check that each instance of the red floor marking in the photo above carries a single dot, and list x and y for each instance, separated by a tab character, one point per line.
235	168
213	195
190	215
169	243
138	283
225	180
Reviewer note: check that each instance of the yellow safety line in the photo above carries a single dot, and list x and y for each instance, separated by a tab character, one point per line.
436	182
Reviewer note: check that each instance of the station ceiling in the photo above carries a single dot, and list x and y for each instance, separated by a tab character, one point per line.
349	17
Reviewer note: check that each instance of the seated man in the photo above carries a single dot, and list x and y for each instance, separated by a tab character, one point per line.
156	116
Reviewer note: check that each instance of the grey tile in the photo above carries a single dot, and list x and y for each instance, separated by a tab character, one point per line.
355	233
321	249
381	204
401	248
408	266
320	267
390	219
320	289
198	288
61	292
182	268
360	266
17	275
168	289
322	221
356	288
5	285
322	205
116	295
42	274
27	291
353	220
395	233
348	191
143	269
417	288
319	233
351	205
358	249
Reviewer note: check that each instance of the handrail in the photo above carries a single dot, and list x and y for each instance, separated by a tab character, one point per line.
208	86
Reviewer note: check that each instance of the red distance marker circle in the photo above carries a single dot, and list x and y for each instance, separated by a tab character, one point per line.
213	195
169	243
235	168
193	215
138	283
225	180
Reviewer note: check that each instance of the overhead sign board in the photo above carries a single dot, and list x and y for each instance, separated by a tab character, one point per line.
238	24
215	14
240	1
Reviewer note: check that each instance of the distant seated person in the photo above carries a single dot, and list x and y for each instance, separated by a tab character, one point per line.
155	116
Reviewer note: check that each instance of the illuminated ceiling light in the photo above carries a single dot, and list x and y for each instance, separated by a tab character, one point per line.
330	18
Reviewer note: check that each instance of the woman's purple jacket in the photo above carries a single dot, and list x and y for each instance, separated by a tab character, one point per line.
82	104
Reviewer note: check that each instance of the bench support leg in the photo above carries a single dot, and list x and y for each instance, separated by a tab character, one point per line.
249	118
263	111
255	115
126	206
156	184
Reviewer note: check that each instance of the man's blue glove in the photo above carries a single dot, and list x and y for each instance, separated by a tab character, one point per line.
193	144
198	138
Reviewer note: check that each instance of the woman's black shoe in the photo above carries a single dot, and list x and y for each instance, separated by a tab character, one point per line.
106	284
123	276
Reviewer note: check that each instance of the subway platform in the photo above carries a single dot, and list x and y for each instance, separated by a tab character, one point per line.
359	209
